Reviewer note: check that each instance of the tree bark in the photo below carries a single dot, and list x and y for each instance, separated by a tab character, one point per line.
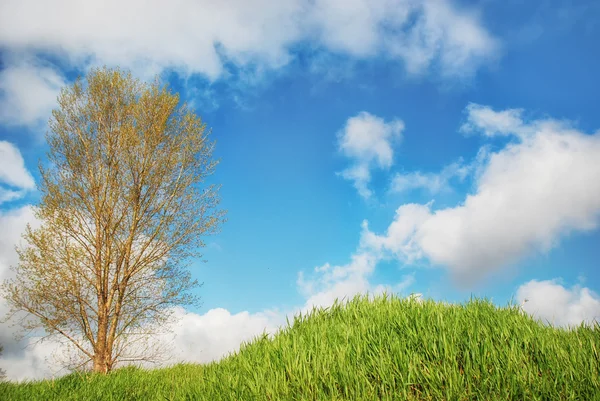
100	352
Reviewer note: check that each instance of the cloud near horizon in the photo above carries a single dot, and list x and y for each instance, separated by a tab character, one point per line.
194	337
552	303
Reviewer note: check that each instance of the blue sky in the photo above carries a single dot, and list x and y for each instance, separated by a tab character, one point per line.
439	147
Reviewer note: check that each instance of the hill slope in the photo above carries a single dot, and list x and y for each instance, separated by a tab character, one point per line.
385	349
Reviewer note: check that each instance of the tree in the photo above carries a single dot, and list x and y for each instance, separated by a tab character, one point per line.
122	213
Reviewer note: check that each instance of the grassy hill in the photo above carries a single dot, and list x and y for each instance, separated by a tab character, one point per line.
385	349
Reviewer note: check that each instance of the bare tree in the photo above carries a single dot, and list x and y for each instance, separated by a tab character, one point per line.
122	213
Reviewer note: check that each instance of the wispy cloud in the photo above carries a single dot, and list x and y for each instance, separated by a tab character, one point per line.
552	17
367	140
433	182
455	39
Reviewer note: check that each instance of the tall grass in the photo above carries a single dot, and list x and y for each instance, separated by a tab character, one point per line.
385	349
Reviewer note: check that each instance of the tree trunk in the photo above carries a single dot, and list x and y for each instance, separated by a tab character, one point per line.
101	356
100	365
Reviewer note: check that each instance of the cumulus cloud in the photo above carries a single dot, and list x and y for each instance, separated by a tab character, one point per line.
528	196
399	238
367	140
482	119
28	91
554	304
353	26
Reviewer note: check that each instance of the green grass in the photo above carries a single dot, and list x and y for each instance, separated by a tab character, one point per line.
385	349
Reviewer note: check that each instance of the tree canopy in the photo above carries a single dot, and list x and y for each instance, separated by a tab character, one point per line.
123	210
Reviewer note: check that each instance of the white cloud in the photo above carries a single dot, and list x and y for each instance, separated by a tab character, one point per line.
28	91
354	26
399	239
361	176
367	140
196	34
492	123
433	182
202	36
217	333
345	281
440	182
336	281
31	360
12	170
528	196
13	173
441	30
556	305
7	195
